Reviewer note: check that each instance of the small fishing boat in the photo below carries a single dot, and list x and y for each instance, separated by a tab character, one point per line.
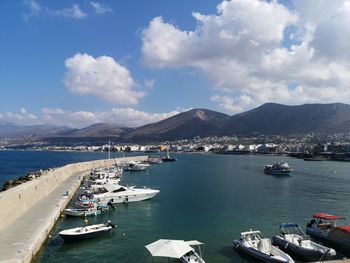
323	227
86	232
294	241
82	212
278	168
254	244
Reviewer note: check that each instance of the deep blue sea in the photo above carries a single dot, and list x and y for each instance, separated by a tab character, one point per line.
208	197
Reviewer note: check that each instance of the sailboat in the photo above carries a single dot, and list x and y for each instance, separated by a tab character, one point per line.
168	158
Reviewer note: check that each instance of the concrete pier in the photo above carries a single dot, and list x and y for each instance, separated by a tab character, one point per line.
29	211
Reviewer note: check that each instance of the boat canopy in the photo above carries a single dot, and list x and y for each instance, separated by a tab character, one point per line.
169	248
327	216
344	228
284	225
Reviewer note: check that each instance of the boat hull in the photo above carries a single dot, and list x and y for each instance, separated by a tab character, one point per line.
300	252
275	172
77	235
255	253
82	212
342	244
119	198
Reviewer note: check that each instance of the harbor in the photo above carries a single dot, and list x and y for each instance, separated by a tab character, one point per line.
29	211
187	207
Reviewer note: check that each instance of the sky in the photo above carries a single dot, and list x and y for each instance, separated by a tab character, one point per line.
129	62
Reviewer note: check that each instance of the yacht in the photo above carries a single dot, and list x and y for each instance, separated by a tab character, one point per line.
278	168
254	244
123	194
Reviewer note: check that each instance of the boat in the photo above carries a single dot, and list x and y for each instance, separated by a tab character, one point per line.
323	227
154	160
86	232
82	211
117	194
194	256
135	166
294	241
254	244
182	250
168	158
278	168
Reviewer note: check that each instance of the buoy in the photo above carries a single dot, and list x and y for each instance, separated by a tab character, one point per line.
124	235
62	215
86	221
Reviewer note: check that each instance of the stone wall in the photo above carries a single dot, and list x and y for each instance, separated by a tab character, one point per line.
16	201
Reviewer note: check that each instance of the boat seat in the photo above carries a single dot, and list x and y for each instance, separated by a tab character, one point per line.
305	243
264	245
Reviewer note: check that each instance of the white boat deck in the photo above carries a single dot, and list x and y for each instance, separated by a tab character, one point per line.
25	236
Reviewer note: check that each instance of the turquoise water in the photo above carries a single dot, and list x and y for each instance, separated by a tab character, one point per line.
211	198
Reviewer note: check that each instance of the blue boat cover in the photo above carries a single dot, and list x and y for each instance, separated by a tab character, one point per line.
289	225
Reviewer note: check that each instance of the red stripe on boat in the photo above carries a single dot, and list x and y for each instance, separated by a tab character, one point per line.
344	228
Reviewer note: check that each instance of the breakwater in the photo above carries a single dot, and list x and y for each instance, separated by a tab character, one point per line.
29	211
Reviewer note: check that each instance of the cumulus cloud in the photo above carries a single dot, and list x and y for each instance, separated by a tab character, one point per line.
127	117
102	77
261	50
23	116
100	8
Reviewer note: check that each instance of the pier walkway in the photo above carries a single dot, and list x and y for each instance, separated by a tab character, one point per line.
24	237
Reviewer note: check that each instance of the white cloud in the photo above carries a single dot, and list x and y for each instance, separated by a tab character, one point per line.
35	9
21	117
100	9
233	106
126	117
73	12
102	77
261	50
149	83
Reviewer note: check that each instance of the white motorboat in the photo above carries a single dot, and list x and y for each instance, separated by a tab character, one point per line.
86	232
82	212
135	166
293	240
122	194
254	244
281	168
180	249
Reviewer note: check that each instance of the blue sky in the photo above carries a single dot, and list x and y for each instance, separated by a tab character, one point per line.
134	62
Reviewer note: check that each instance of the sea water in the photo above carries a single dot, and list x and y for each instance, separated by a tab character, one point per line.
207	197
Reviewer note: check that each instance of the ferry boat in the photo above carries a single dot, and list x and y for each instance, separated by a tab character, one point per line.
324	227
254	244
294	241
278	168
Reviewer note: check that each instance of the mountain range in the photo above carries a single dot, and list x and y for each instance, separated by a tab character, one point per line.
268	119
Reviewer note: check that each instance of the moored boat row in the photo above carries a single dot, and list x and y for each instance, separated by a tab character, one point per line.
293	242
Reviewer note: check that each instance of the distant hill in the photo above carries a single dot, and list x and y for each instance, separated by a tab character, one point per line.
11	130
269	118
96	130
195	122
272	118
